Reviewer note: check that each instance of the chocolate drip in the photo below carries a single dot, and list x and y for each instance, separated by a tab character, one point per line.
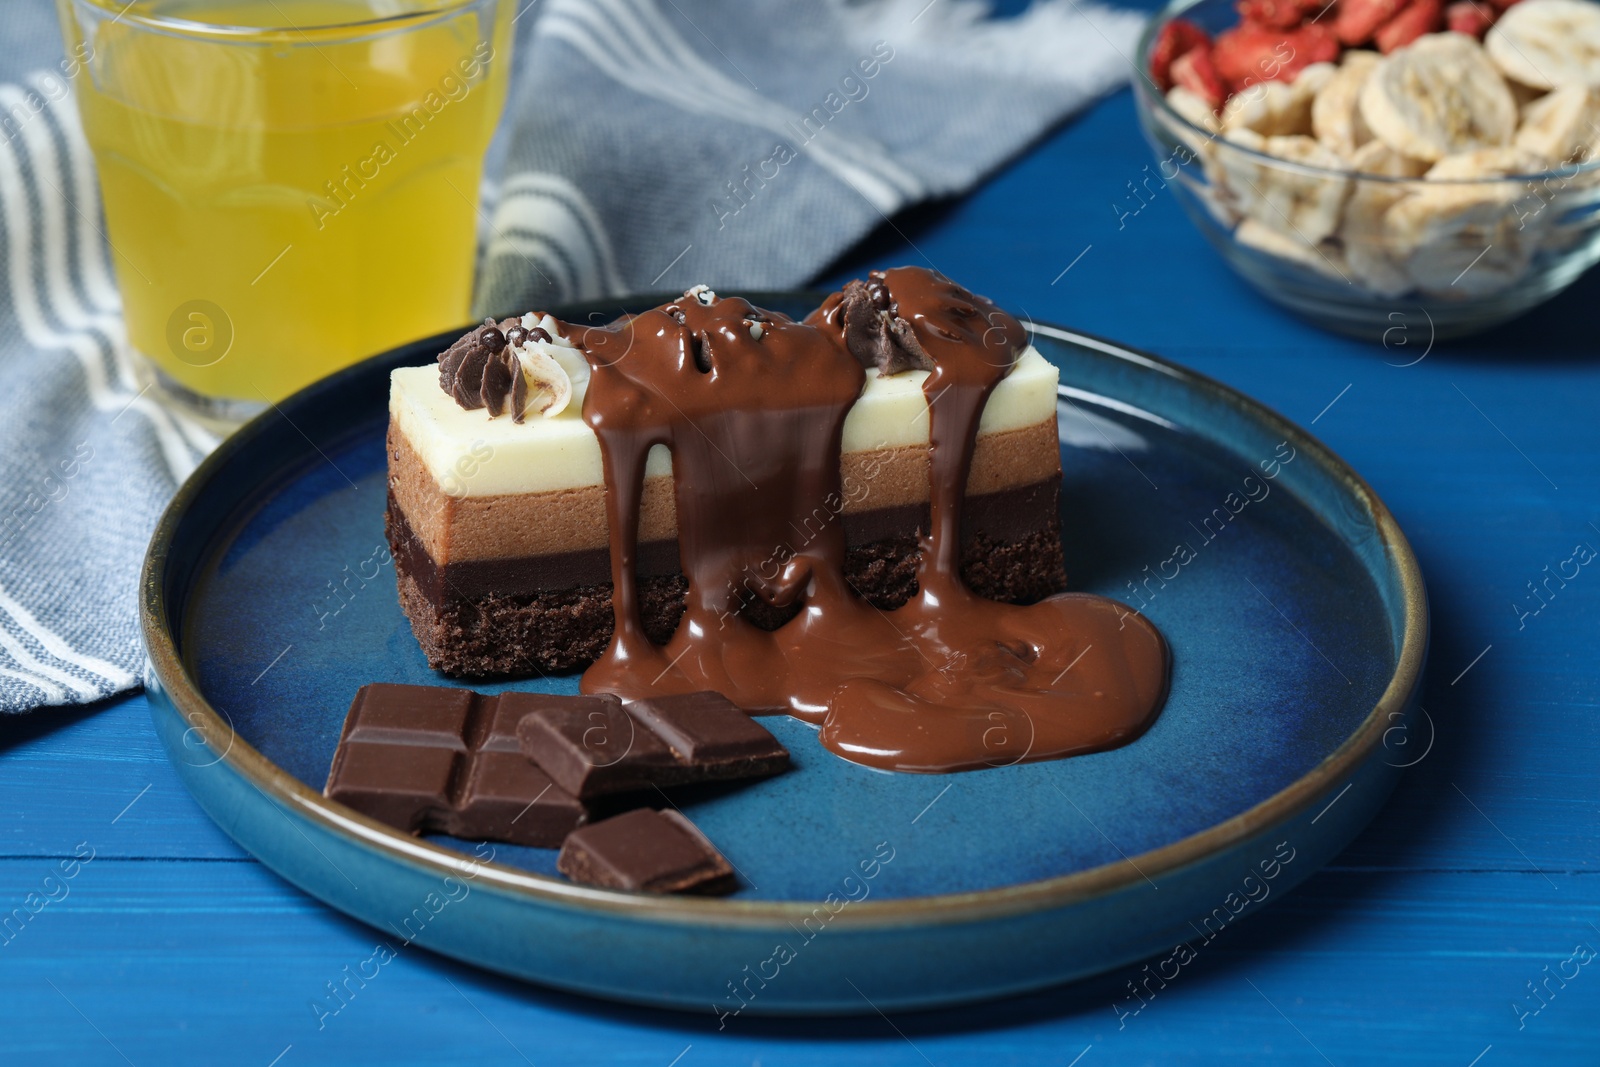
754	419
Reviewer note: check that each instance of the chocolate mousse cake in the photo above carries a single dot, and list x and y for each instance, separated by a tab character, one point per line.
823	518
497	512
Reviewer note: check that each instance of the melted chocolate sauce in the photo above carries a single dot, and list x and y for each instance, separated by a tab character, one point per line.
752	405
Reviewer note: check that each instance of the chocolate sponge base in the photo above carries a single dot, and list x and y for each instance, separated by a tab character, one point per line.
562	630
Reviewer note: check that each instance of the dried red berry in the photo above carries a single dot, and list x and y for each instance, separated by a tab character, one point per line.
1358	20
1279	14
1249	54
1195	72
1469	17
1176	38
1420	17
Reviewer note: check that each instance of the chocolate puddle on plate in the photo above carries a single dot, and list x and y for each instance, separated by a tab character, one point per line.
752	405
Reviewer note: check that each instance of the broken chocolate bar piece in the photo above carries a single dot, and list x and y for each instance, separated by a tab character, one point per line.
595	747
654	851
711	732
428	759
605	747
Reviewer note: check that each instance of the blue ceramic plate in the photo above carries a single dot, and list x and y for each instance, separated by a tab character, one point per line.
1294	608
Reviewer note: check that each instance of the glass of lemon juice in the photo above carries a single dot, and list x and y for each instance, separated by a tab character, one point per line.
289	185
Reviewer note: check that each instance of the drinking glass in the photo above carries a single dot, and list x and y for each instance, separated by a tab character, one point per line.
289	185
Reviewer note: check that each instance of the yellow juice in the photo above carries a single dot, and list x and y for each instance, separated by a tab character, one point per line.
282	201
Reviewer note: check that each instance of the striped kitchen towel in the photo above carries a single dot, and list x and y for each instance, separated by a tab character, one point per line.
664	144
648	145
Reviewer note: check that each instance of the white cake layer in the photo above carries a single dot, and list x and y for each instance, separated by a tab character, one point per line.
471	455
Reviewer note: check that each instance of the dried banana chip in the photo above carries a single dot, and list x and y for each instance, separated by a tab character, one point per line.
1438	96
1275	108
1362	231
1323	259
1548	43
1460	240
1487	163
1563	125
1336	112
1298	204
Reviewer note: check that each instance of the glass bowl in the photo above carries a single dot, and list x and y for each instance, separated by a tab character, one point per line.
1358	252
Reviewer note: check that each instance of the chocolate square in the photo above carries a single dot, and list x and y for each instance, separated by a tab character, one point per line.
653	851
709	730
409	714
507	798
395	784
592	747
495	726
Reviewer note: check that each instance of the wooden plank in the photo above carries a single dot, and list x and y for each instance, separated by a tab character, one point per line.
100	775
224	962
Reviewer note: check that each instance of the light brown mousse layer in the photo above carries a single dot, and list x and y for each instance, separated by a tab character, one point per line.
455	529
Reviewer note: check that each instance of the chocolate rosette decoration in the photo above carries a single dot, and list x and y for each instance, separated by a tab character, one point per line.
481	370
874	332
879	321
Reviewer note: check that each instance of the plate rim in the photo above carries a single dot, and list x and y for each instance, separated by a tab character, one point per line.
213	729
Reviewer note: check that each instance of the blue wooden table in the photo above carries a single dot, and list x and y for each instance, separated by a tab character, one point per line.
1462	928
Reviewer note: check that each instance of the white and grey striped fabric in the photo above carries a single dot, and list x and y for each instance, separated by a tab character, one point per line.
648	144
659	144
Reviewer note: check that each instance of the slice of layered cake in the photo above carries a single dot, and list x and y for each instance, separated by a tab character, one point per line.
497	489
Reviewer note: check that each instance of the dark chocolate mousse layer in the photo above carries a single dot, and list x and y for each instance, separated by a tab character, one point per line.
493	618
